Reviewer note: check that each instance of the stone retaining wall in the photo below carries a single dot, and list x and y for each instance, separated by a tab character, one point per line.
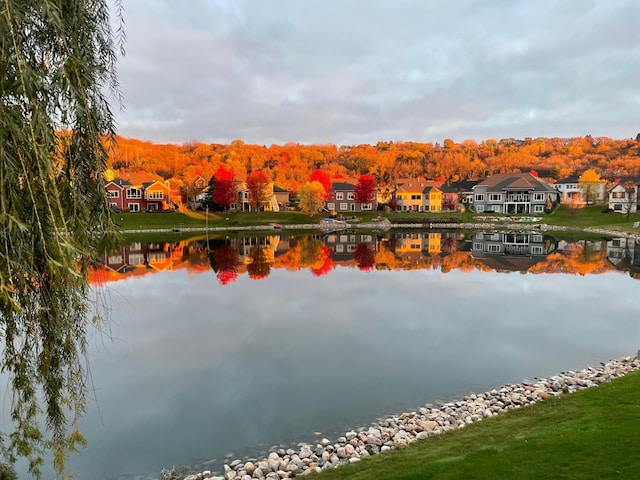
409	427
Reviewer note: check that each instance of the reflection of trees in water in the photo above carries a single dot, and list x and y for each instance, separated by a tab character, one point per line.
364	256
260	266
226	260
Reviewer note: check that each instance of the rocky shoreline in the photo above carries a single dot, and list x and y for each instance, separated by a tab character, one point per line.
429	420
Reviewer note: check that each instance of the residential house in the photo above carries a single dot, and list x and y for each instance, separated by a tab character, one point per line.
244	202
621	200
572	191
518	193
464	189
132	196
418	196
343	245
343	199
282	197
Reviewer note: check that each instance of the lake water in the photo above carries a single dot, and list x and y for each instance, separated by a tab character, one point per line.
255	342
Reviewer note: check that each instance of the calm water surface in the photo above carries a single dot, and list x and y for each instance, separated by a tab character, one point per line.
195	370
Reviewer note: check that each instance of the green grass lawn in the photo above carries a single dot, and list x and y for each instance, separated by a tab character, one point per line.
592	434
590	216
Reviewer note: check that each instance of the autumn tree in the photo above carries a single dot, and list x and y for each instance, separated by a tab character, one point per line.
365	191
224	188
260	266
450	202
325	180
258	187
588	183
311	197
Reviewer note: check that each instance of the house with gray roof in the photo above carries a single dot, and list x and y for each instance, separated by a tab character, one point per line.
515	193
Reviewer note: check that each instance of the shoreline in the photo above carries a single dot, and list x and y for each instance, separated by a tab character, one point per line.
405	428
386	226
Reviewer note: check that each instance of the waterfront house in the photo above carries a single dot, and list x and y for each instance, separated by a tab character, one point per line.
572	191
518	193
621	200
343	199
139	196
413	195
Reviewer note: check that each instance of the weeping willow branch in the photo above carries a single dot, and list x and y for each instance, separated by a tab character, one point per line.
57	58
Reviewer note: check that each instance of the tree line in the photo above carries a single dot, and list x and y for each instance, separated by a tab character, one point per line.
291	165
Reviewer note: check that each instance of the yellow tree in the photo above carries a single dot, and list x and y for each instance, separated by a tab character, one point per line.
589	183
311	197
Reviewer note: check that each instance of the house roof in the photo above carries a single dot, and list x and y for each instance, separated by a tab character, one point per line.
514	181
464	185
422	186
277	189
572	179
342	187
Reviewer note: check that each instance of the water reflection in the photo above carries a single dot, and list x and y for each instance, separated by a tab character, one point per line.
258	256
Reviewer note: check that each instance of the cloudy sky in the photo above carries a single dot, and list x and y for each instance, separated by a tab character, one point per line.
359	71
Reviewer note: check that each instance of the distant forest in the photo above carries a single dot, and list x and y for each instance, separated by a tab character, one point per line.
290	165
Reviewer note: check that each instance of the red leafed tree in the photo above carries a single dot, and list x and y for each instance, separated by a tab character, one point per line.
365	190
224	190
325	179
258	186
364	256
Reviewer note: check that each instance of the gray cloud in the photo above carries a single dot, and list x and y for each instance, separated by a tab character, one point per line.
360	71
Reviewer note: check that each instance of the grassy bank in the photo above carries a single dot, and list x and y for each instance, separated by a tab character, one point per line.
585	435
591	216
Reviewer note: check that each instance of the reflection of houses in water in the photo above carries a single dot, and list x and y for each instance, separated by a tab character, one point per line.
151	256
272	245
624	253
428	243
343	245
515	251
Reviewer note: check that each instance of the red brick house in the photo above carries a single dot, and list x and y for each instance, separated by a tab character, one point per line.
151	196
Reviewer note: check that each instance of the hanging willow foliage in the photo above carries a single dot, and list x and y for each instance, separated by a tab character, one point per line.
57	60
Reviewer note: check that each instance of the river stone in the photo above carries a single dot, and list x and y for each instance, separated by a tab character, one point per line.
250	467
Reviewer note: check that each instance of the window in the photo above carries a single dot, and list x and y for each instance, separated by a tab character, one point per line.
351	248
134	207
339	248
344	238
352	238
113	194
480	208
155	195
331	206
344	206
496	208
113	205
366	238
399	196
538	208
479	197
331	239
339	195
538	197
536	250
617	194
477	246
157	257
136	259
367	206
415	246
493	248
433	208
135	246
536	238
615	242
495	197
114	259
353	207
351	196
617	207
415	197
134	193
